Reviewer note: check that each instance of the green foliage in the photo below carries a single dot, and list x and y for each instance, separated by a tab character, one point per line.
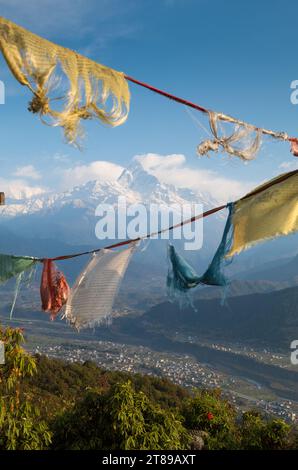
120	418
259	434
143	424
20	426
207	411
86	407
18	363
57	385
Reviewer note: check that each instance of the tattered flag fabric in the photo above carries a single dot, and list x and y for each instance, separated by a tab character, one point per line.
54	289
15	266
91	299
182	277
294	148
243	142
11	265
78	87
270	211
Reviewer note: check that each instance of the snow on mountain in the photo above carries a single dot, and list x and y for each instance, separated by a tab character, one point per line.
136	184
56	222
70	215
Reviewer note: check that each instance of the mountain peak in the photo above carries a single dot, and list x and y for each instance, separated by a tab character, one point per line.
137	178
135	183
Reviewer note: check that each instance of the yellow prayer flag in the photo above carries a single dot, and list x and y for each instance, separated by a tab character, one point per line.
66	86
271	210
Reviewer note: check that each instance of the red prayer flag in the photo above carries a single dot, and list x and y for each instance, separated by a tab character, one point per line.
294	148
54	289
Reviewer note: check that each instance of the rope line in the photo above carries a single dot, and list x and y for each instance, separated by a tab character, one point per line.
223	117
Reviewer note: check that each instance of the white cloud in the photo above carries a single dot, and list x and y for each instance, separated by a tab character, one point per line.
172	169
81	174
27	171
19	188
61	158
289	166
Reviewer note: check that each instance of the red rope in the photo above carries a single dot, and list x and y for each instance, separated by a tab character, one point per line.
180	224
127	242
186	102
168	95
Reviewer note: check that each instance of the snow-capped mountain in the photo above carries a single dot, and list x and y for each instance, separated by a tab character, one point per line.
70	215
135	183
62	223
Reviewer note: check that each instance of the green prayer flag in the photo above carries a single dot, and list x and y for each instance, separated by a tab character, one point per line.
11	266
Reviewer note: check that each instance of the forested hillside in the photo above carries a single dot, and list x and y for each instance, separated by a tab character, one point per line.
52	404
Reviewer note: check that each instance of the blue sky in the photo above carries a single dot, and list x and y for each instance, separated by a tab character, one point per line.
231	56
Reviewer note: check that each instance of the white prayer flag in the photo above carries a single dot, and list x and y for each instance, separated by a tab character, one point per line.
91	300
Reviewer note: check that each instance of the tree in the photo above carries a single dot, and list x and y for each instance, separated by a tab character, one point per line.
259	434
119	418
20	426
206	411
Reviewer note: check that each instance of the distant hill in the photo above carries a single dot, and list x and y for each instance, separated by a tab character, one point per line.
64	222
260	320
264	315
270	318
277	271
